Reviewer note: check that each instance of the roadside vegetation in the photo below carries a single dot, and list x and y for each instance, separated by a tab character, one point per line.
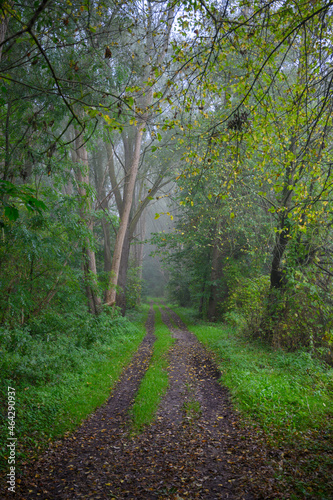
288	394
62	368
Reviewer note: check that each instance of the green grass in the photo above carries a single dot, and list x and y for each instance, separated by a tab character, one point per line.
155	381
192	410
290	396
62	370
292	391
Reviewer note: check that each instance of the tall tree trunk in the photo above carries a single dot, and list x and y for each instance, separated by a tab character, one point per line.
281	241
101	174
127	204
113	177
89	261
214	276
107	245
136	213
132	154
139	247
122	278
125	259
3	28
277	277
282	236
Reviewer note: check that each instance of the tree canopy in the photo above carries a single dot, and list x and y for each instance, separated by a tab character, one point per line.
223	108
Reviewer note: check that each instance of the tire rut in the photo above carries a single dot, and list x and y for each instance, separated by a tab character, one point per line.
209	416
67	469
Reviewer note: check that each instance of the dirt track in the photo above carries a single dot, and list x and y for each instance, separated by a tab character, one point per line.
196	448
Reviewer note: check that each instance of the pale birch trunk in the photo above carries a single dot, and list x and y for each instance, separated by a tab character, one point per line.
127	204
132	167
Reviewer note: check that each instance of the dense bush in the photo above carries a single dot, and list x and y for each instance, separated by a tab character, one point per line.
54	345
133	287
246	303
299	317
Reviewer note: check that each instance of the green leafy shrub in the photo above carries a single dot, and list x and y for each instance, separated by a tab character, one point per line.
133	287
246	303
301	318
236	320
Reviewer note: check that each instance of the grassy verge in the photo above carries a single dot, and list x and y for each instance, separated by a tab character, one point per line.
155	380
62	369
290	395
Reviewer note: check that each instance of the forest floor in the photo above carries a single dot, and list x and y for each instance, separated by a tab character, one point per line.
197	447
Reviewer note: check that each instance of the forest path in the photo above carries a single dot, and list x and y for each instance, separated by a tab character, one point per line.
195	449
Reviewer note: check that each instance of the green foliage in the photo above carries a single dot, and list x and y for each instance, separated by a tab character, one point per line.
236	319
186	274
246	302
133	287
178	286
256	186
12	196
62	367
300	317
39	259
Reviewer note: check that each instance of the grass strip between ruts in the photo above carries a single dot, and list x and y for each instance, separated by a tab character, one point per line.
155	381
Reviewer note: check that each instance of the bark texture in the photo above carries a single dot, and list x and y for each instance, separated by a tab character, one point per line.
132	149
127	204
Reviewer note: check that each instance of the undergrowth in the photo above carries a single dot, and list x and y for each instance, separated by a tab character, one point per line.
62	368
155	381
